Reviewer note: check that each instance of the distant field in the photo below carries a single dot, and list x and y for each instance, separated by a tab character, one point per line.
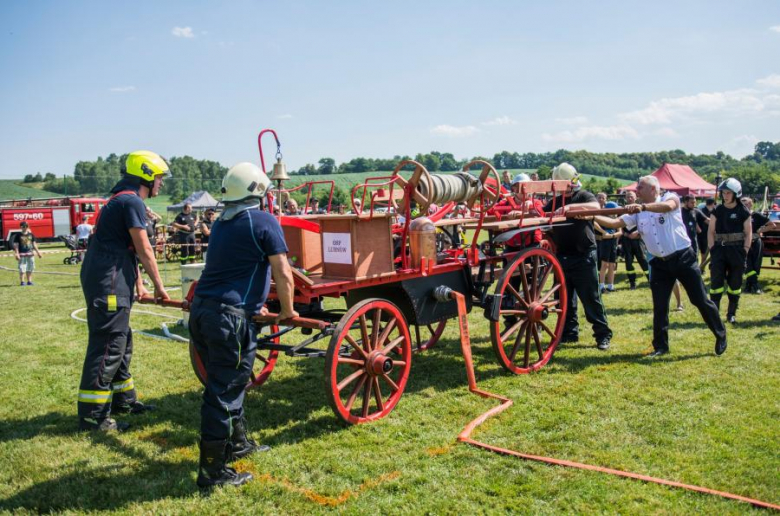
12	189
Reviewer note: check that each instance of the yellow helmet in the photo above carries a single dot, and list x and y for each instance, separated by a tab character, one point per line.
146	165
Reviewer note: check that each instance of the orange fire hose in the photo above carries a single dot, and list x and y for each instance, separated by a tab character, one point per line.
465	434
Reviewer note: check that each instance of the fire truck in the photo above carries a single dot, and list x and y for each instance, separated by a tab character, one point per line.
48	218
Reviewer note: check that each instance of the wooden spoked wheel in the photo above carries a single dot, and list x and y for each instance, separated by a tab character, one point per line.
532	290
265	361
420	174
427	335
490	189
368	361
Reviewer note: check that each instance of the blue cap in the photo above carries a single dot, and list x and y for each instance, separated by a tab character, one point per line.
611	204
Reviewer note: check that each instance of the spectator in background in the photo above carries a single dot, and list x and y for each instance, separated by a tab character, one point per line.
704	224
756	253
506	180
205	230
83	231
633	248
151	225
24	247
185	223
534	176
608	251
291	207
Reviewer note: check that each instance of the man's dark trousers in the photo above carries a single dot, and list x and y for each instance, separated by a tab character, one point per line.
681	266
227	342
632	249
582	280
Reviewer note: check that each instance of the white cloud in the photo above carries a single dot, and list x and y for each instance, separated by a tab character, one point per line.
454	131
285	116
775	28
665	131
735	102
574	120
502	120
594	132
121	89
183	32
771	81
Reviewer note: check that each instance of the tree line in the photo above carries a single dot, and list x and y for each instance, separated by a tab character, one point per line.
755	171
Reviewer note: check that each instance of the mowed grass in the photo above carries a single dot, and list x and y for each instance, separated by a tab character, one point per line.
690	417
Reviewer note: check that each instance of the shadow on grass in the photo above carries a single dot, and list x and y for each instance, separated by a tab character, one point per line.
281	409
569	365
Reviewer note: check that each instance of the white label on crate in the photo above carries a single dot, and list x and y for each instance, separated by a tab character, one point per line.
337	248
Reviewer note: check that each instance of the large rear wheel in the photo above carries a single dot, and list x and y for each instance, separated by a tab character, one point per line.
532	290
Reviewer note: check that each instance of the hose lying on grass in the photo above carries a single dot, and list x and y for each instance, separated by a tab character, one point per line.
168	334
465	435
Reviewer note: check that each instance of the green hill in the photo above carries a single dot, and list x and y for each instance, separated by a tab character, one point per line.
14	189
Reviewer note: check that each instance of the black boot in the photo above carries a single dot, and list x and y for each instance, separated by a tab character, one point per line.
242	445
135	407
212	470
105	424
731	312
632	281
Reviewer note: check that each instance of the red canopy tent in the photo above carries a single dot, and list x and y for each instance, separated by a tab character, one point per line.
680	179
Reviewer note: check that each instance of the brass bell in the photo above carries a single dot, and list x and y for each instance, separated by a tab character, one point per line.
280	171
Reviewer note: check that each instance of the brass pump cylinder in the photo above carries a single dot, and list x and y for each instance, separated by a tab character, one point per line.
422	240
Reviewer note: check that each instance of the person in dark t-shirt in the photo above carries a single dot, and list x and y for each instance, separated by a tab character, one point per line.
24	247
729	238
756	253
185	223
693	219
576	249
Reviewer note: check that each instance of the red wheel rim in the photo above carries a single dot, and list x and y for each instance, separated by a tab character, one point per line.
265	361
368	362
428	335
532	314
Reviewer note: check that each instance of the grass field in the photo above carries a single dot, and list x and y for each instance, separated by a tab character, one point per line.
691	417
14	189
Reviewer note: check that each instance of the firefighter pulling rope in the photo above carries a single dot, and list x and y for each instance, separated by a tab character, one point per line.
443	294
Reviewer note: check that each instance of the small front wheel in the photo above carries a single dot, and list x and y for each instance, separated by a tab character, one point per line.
368	361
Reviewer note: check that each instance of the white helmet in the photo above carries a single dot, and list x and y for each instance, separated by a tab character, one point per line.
519	178
565	172
244	181
732	185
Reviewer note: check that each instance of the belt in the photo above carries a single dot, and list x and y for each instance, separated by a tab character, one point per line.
729	238
675	254
212	304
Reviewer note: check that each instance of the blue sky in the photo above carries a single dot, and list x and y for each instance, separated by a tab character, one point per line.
345	79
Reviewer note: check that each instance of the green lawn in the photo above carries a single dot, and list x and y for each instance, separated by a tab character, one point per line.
690	417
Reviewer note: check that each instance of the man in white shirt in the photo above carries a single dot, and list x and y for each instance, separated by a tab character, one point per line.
659	222
83	231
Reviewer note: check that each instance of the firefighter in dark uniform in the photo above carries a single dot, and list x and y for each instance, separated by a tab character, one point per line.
729	239
205	230
576	250
108	275
185	223
633	248
246	246
756	253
